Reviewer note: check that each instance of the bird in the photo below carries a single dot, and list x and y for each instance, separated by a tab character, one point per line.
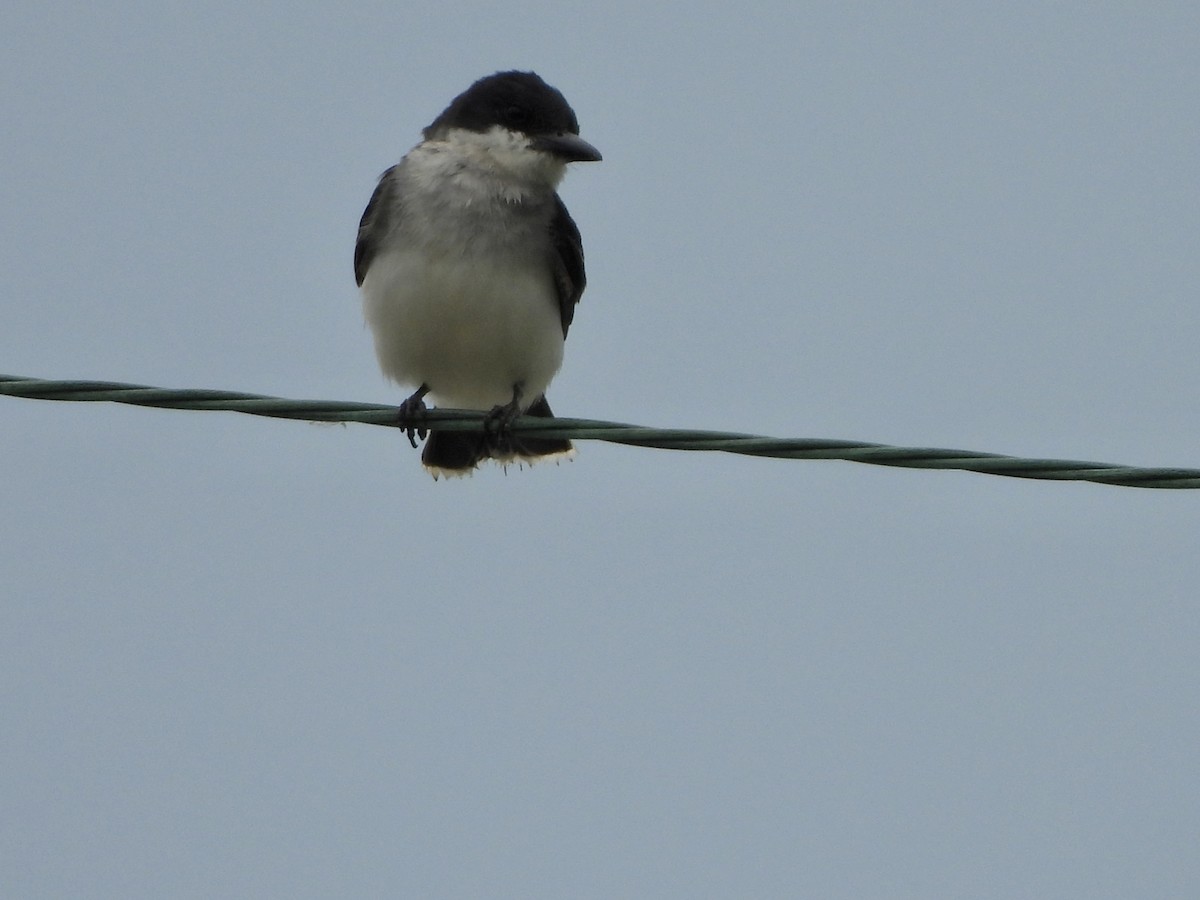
470	268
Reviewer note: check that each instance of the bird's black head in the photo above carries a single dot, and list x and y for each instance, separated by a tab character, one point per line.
519	102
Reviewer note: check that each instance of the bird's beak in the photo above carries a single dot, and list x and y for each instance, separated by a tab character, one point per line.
568	147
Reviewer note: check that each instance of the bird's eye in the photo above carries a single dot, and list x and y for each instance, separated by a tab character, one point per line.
516	115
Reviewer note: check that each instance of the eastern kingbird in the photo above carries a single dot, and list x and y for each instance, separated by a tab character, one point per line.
470	266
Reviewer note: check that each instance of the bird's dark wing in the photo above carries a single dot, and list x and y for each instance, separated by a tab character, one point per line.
375	224
569	277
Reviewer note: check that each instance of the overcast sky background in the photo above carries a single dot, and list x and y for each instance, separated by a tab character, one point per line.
246	657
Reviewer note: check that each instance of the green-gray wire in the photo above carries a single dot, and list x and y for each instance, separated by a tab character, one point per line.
613	432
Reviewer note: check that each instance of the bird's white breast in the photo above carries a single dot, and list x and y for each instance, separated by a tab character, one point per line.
461	293
469	327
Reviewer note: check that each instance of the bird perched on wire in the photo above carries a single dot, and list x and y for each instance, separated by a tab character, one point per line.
470	267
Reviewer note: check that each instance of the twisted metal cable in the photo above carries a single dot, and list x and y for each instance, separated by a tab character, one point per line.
613	432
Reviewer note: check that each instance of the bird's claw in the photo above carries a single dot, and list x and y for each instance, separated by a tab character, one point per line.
411	415
497	424
500	418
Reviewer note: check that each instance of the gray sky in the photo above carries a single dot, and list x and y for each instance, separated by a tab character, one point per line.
243	657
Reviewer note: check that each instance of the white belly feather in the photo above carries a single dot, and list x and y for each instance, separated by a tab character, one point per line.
470	328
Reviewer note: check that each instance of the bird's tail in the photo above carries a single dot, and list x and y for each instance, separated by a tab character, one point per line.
452	454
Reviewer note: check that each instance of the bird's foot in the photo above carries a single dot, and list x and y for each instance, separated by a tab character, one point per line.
497	424
411	415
